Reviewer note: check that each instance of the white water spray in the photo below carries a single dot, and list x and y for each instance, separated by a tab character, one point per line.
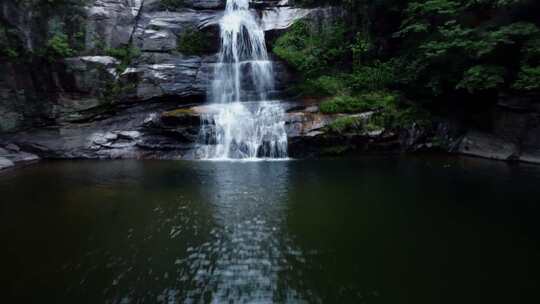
233	128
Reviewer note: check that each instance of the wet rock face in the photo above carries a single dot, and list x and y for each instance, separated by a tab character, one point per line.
205	4
488	146
161	31
162	74
514	134
11	155
192	4
140	131
5	163
96	107
310	134
82	88
111	22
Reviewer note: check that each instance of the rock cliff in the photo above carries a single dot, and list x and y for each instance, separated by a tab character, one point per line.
135	83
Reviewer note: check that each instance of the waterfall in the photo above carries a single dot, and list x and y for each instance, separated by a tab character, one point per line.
241	122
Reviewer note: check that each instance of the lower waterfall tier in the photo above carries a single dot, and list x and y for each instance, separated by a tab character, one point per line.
243	131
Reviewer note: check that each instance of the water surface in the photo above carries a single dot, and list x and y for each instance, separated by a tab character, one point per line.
371	230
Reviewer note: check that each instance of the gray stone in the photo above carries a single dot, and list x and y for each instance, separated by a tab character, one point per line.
129	134
488	146
88	81
280	18
375	133
105	61
13	147
110	136
11	154
158	31
205	4
134	128
5	163
111	22
10	121
23	157
530	157
168	75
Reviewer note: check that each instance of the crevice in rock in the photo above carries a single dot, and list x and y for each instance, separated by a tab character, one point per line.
136	22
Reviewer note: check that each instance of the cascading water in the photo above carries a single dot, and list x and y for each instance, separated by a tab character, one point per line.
242	123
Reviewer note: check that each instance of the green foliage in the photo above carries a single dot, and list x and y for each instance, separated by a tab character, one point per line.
397	116
376	76
428	50
454	44
390	115
312	51
531	51
330	85
528	79
61	23
9	45
479	78
343	124
360	103
58	47
193	42
126	54
323	86
361	48
115	90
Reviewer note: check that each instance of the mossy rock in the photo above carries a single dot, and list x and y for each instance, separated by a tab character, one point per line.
179	112
194	41
180	117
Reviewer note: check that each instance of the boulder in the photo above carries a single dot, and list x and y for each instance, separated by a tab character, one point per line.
530	145
5	163
12	154
84	86
486	145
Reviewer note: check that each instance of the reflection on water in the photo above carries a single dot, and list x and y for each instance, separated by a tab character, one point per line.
337	231
243	257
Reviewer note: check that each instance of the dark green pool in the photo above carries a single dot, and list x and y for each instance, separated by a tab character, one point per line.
371	230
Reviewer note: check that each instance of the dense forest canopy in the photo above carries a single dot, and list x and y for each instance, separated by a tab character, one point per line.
427	48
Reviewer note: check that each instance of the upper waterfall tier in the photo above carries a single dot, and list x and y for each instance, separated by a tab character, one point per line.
242	42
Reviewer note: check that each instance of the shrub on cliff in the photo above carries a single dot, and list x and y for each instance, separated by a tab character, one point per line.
126	54
10	46
193	42
358	103
172	4
58	47
345	124
528	79
312	51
